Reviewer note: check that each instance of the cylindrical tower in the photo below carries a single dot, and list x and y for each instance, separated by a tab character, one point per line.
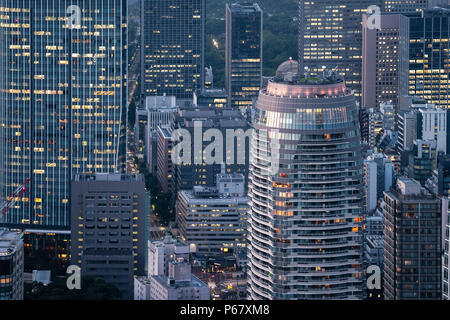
305	221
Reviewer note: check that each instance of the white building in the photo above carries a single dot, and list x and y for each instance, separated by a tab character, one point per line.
214	219
434	126
180	284
141	288
11	265
160	253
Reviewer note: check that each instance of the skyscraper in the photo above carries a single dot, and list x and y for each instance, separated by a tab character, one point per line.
63	101
108	227
305	220
11	265
429	53
412	243
406	6
385	61
243	61
330	35
173	47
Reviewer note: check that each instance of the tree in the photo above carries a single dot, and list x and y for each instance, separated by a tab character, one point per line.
91	289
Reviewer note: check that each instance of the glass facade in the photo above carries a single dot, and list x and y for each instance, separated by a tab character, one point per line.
429	56
62	101
172	47
305	222
244	36
330	35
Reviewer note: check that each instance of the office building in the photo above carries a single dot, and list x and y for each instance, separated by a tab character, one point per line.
384	60
63	100
165	168
108	228
429	52
432	125
211	98
213	220
244	47
141	124
374	222
446	248
374	250
160	112
407	6
407	130
160	253
172	47
375	127
305	219
330	36
412	243
422	160
11	265
424	122
231	134
370	185
179	284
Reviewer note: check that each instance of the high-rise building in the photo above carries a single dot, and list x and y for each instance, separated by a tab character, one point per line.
173	47
412	243
384	60
63	102
108	227
446	248
231	132
305	219
213	220
11	265
165	170
429	53
422	160
370	185
243	61
160	112
330	36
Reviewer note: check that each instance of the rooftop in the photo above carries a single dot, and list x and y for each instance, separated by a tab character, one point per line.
289	82
9	241
244	8
195	282
112	177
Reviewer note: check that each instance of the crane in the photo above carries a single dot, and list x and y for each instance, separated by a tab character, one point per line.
13	198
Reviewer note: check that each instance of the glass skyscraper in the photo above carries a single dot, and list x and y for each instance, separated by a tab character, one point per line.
305	219
173	46
243	61
330	35
429	56
62	101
